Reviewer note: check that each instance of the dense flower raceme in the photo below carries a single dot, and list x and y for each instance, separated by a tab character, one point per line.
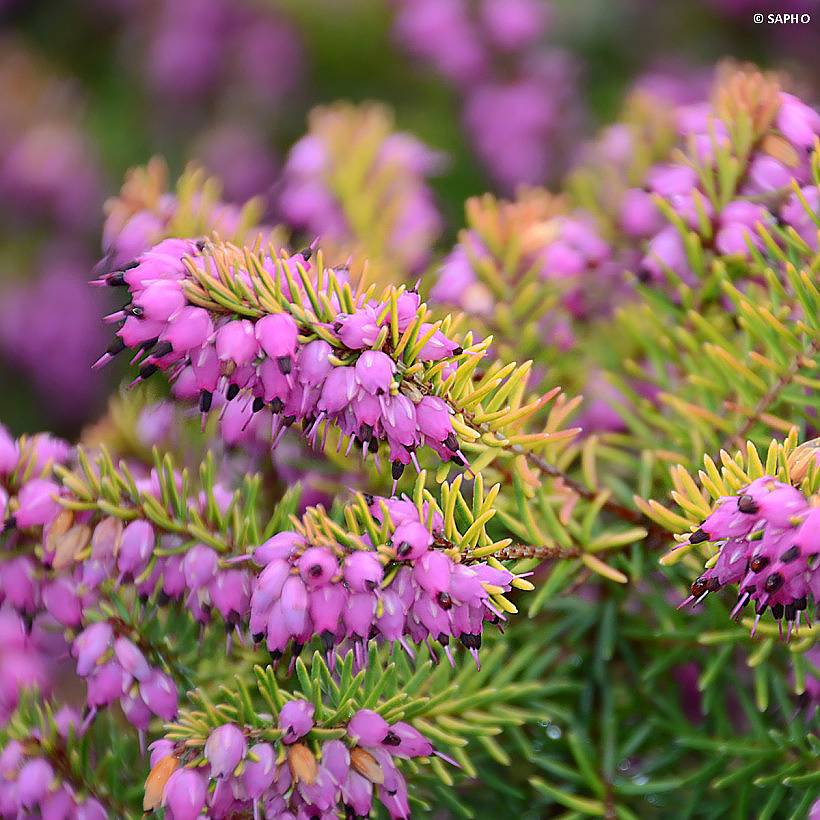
769	539
292	776
389	202
405	587
520	100
650	185
513	250
350	372
684	191
562	248
57	566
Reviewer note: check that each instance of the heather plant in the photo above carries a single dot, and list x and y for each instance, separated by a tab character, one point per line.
383	527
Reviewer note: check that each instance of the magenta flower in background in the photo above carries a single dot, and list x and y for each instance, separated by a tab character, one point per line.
50	332
195	52
237	154
520	129
319	195
521	109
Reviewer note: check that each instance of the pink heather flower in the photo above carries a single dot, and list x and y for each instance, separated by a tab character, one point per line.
267	375
61	599
433	419
9	451
428	596
33	782
336	760
411	540
639	217
296	719
357	330
338	390
90	646
797	122
19	587
224	749
59	805
229	592
374	371
106	683
135	710
438	346
136	546
191	328
259	770
294	599
37	503
313	367
665	254
159	694
131	659
326	605
405	741
363	571
395	800
457	283
669	180
161	299
236	341
358	614
357	792
317	566
184	793
276	334
776	568
514	24
738	227
442	32
367	728
91	809
236	153
766	174
794	214
200	566
159	749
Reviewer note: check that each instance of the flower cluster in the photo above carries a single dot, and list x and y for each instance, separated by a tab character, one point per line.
195	52
533	243
27	657
30	786
57	565
404	587
778	153
116	669
146	211
769	540
390	190
563	249
35	604
519	100
295	776
280	364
